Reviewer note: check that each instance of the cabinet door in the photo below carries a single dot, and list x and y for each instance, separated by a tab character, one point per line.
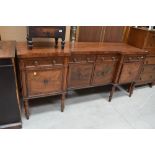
129	72
79	75
146	77
44	81
104	72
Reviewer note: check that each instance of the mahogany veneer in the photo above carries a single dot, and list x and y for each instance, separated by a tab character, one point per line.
46	71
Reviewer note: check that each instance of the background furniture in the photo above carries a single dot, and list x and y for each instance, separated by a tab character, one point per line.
102	33
9	100
46	32
144	39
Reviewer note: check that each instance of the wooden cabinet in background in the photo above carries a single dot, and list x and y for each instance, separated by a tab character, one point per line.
144	39
102	33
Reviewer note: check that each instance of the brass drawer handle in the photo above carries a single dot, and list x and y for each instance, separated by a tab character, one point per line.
34	73
88	59
36	63
130	58
54	62
113	58
103	58
138	58
142	57
74	60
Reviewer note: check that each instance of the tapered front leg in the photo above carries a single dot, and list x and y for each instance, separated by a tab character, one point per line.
29	42
63	102
26	109
132	88
63	44
112	92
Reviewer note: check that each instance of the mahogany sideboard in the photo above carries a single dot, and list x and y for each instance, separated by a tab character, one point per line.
10	116
46	71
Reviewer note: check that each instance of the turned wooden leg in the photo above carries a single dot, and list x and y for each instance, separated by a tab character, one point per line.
63	44
132	88
112	92
56	42
63	102
26	109
29	42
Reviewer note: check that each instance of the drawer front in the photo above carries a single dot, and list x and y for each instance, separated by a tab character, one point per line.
150	60
148	69
104	72
79	75
129	72
133	58
44	81
57	61
82	59
150	42
42	31
146	77
103	58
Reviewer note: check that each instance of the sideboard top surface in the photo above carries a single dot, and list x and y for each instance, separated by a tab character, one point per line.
121	48
47	49
7	49
41	49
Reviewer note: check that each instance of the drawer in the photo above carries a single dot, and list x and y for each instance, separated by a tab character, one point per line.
148	69
150	60
43	31
44	81
133	58
146	77
58	61
102	58
82	59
